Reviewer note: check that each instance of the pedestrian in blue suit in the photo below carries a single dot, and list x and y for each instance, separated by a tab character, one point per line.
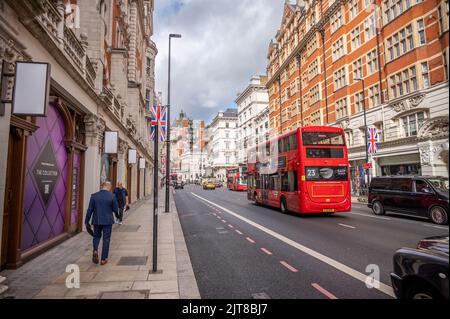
102	206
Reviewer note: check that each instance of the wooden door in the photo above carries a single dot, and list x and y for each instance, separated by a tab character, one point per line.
7	203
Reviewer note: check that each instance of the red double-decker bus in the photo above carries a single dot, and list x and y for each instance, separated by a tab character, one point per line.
237	178
304	171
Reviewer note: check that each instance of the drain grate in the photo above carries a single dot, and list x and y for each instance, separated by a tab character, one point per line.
135	294
127	228
132	261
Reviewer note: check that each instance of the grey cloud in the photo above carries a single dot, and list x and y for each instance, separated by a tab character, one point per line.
224	43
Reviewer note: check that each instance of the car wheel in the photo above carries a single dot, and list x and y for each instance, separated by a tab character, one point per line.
283	206
438	215
378	208
421	292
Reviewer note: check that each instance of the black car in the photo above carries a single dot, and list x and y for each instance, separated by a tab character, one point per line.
422	273
178	185
420	196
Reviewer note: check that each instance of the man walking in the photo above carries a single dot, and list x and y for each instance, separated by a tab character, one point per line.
122	199
102	205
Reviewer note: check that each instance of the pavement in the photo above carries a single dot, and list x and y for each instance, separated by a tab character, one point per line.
128	274
239	250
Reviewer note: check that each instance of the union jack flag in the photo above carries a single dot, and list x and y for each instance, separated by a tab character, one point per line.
158	115
372	140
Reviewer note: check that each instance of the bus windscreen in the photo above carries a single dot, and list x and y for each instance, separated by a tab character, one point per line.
323	138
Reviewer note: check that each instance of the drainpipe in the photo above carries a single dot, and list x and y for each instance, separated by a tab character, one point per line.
299	60
322	33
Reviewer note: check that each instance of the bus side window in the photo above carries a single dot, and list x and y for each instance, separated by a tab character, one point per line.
293	181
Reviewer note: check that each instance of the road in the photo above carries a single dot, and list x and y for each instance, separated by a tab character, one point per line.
239	250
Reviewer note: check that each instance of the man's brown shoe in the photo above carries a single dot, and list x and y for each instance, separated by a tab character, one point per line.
95	257
103	262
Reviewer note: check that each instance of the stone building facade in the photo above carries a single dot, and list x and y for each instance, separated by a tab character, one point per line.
253	116
325	51
221	148
102	79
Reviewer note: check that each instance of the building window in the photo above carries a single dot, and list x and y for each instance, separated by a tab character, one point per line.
336	20
316	118
338	49
400	43
314	95
425	74
411	124
446	70
313	69
403	82
340	79
374	96
311	46
355	38
353	8
349	138
359	102
341	108
443	16
372	61
149	67
421	31
357	70
147	99
370	27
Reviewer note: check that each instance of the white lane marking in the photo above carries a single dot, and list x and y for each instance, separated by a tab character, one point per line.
366	215
231	226
239	232
348	226
436	226
333	263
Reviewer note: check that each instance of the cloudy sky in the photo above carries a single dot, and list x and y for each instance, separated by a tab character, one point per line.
224	43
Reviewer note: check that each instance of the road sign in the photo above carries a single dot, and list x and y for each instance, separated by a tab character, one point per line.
372	140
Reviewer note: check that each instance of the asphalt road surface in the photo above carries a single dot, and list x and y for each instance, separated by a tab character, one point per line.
240	250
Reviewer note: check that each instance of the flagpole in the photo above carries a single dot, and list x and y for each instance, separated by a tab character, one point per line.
155	198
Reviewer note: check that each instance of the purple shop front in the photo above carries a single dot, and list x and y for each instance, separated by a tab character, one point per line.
45	181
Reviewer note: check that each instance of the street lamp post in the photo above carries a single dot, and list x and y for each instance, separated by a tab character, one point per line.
168	128
365	129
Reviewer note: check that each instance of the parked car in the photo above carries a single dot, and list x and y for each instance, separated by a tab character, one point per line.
420	196
209	185
422	273
178	185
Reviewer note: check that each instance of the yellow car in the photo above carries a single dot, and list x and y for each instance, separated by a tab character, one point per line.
209	185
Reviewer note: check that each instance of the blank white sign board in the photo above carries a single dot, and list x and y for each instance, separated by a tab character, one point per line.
31	88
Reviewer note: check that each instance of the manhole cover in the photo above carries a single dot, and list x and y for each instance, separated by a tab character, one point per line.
128	228
135	294
132	261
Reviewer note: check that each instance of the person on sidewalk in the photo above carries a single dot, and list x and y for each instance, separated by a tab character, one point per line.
122	199
102	206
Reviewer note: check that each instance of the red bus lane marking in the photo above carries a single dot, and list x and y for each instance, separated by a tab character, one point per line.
250	240
268	252
285	264
378	285
324	291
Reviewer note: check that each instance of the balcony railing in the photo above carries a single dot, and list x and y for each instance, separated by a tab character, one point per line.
52	22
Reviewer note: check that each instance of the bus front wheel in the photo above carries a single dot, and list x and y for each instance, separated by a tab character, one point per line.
255	199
